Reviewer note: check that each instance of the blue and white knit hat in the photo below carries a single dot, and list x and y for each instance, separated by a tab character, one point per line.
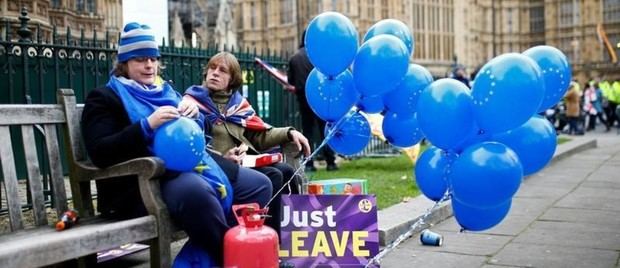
137	41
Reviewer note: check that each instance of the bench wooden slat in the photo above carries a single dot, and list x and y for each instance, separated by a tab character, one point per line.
58	182
73	114
44	246
10	179
22	114
34	175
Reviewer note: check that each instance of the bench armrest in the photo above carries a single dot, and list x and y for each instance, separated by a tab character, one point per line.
290	149
292	156
143	167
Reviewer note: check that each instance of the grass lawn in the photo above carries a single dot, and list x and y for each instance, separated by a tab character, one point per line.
390	179
563	140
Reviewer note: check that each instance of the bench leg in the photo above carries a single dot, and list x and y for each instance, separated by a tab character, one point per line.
160	253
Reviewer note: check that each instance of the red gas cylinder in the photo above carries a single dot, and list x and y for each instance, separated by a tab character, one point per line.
251	244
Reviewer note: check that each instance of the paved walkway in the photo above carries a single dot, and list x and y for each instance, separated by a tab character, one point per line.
567	215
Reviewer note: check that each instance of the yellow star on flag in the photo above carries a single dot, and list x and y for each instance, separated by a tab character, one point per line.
201	167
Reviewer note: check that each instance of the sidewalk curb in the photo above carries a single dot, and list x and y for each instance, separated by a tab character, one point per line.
395	220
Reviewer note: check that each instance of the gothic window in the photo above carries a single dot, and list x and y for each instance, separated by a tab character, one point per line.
85	6
286	11
569	13
90	6
252	16
509	18
537	19
384	9
371	10
611	11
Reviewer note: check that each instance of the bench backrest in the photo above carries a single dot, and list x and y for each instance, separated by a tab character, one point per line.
76	151
26	121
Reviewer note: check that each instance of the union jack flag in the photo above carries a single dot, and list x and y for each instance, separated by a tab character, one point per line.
276	73
237	111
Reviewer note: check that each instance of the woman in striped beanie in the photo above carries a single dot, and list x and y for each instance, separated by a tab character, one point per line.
124	115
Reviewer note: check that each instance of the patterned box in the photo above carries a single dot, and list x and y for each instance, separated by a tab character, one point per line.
338	186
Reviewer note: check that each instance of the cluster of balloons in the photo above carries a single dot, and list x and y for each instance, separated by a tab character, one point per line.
484	139
381	80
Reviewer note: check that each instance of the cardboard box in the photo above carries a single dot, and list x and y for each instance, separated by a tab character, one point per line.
338	186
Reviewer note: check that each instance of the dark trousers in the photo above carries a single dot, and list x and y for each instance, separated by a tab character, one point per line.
308	122
611	114
279	174
573	125
592	120
282	172
193	204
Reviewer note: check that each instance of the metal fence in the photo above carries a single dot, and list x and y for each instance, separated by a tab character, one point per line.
32	68
32	71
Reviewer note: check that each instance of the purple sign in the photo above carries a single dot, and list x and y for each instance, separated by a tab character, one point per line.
329	230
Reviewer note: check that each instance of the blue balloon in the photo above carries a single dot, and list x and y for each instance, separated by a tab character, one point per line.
486	175
445	113
507	91
192	256
479	219
380	65
331	42
476	136
330	98
534	143
401	130
404	99
394	27
431	173
180	143
371	105
351	136
556	72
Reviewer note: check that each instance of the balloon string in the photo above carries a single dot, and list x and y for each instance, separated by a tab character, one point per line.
330	134
421	221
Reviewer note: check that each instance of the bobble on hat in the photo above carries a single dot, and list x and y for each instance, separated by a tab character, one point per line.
137	41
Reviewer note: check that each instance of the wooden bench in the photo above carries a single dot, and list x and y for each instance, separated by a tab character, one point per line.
41	244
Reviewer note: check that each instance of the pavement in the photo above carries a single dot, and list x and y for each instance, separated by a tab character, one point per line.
567	215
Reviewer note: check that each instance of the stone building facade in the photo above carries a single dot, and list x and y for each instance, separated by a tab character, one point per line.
89	15
446	32
450	32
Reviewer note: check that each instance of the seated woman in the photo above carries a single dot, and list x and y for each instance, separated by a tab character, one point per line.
237	130
124	114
